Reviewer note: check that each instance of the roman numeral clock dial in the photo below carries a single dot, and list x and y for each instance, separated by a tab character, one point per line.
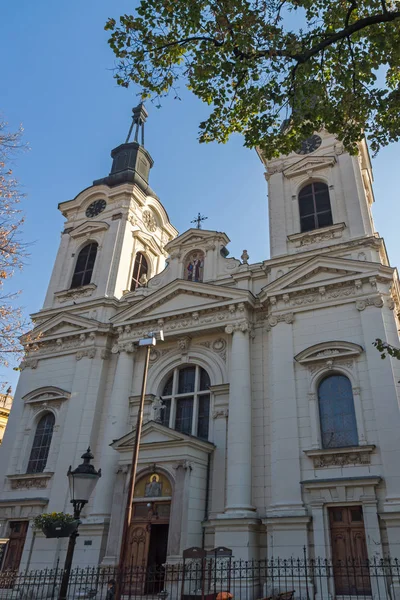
95	208
309	145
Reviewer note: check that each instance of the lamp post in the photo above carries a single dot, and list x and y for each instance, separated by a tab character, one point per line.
148	343
82	482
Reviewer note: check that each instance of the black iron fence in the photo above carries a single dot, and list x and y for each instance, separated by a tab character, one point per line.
216	579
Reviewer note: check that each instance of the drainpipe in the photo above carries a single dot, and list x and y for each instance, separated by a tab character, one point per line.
207	501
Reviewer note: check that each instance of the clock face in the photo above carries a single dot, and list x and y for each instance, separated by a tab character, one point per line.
309	145
95	208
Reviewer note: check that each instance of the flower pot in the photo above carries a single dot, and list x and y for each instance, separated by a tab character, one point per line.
59	530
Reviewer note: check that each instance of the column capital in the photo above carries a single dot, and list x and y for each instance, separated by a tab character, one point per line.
288	318
376	301
243	325
120	347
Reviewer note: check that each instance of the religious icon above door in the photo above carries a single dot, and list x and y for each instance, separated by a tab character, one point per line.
194	266
153	485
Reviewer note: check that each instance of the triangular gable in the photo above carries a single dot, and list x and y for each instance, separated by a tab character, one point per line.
88	228
309	163
324	270
180	296
196	236
66	324
156	433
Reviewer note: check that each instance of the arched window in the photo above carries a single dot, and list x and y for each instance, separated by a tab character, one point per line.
84	265
315	206
140	268
41	444
336	409
186	397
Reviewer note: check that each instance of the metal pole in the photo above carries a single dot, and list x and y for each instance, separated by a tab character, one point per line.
132	478
70	554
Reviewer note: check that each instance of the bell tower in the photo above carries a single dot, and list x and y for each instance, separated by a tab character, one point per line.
115	230
319	196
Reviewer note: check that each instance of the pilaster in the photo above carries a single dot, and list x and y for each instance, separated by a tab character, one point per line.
179	511
285	445
116	522
116	425
239	480
378	322
70	436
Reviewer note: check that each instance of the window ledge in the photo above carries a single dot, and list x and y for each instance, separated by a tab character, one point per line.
317	235
75	293
30	480
341	457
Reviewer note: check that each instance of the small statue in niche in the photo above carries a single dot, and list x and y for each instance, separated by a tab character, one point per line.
158	406
153	487
245	257
194	266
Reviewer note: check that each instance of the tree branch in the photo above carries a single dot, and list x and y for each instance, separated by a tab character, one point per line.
346	32
195	38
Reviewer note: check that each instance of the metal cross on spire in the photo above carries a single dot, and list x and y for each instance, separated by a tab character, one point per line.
198	220
139	116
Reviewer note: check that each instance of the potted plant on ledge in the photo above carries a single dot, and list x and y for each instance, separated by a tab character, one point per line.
56	524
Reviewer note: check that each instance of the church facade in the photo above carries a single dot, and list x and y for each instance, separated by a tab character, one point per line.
270	423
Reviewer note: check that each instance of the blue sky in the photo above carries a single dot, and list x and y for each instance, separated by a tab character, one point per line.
57	81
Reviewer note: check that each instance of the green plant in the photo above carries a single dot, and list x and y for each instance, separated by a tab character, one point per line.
49	519
274	70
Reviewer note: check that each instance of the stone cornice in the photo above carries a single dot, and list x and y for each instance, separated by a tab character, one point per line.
322	296
47	313
194	322
9	502
317	484
332	251
75	344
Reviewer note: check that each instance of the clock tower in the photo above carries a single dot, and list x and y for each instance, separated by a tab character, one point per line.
115	230
319	196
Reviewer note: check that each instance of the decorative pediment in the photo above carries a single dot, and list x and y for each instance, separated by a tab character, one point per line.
148	242
197	237
328	350
157	435
181	296
65	324
45	395
324	270
88	228
308	165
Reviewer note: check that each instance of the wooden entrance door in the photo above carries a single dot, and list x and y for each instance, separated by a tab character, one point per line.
147	547
15	546
349	551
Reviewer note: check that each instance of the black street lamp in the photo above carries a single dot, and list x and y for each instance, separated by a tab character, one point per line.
82	482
